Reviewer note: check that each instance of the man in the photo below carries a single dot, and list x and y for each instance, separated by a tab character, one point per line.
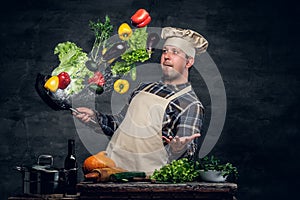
162	118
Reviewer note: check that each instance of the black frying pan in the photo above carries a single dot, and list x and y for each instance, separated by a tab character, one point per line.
50	99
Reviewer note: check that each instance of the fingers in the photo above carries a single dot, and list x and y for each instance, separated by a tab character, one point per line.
86	110
84	114
194	136
168	140
190	138
186	139
181	140
176	139
85	118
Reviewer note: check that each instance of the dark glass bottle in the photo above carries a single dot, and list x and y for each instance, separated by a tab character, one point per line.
71	168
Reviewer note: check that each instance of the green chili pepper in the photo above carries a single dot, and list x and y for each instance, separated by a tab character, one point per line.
133	73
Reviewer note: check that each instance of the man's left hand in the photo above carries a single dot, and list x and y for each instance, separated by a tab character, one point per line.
177	143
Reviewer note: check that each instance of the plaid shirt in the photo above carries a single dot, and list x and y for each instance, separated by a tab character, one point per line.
183	115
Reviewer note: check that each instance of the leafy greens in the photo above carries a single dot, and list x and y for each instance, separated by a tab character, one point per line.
72	60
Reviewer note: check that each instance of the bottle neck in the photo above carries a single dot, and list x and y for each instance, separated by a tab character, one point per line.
71	147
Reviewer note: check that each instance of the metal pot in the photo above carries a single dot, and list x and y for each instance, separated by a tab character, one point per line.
42	178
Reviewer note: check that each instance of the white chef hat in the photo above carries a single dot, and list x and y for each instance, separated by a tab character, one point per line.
189	41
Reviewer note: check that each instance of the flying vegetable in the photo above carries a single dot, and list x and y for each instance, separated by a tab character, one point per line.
52	83
61	81
115	51
64	80
124	31
152	41
140	18
97	82
121	86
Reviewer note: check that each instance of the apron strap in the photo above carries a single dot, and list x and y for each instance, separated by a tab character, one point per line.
147	87
181	92
174	96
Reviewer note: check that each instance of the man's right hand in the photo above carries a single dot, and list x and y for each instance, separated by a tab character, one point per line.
85	114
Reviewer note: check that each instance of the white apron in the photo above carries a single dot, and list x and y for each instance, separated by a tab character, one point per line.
137	143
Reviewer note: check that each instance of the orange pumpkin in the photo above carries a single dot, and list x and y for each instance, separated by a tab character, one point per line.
97	161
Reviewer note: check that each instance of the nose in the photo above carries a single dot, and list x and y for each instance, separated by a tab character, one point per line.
166	55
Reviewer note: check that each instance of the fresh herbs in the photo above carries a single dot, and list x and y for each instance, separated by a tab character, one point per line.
213	163
178	171
185	170
101	30
210	163
135	53
139	55
138	39
120	68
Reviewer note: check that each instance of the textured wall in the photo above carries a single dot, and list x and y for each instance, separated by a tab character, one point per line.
252	42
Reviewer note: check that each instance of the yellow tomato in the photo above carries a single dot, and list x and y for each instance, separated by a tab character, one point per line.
52	83
121	86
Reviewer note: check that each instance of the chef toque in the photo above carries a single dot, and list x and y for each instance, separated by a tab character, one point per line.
189	41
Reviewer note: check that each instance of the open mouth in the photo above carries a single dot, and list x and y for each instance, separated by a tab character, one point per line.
167	65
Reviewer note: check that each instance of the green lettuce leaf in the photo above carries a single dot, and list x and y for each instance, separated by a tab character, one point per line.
72	60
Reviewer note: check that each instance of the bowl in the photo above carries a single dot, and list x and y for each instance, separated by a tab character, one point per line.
212	176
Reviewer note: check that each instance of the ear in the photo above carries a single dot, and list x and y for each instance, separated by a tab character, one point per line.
189	62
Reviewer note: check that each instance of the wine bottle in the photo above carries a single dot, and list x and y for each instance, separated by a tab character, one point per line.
71	168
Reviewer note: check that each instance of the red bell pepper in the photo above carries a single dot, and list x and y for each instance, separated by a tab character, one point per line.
63	80
144	23
140	18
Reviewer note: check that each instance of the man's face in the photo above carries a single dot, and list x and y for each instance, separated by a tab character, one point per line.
173	61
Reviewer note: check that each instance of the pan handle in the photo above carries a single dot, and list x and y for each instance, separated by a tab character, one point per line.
47	160
77	112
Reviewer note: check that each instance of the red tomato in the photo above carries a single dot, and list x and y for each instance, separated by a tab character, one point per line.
98	78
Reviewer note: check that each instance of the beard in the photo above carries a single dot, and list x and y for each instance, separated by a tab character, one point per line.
170	74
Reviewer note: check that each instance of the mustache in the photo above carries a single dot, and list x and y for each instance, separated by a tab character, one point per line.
167	64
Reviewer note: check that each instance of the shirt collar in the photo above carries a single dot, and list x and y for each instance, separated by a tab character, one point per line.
175	87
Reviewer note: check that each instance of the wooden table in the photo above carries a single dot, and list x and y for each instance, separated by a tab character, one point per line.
45	197
147	190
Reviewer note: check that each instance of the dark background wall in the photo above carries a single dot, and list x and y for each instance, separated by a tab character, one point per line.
253	43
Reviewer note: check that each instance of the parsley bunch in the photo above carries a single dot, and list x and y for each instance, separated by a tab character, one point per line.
178	171
101	30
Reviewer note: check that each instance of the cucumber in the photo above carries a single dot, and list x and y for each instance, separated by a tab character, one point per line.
126	176
96	88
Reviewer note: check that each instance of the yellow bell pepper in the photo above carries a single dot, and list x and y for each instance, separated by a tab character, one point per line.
52	83
124	31
121	86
